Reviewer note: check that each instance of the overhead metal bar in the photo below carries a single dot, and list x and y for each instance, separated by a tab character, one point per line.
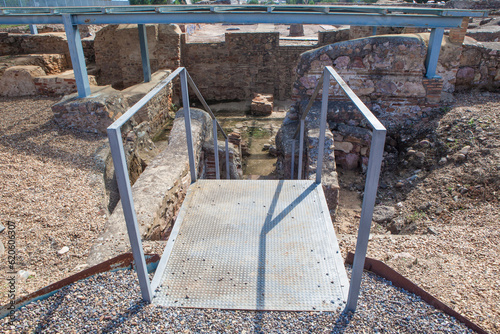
348	15
247	9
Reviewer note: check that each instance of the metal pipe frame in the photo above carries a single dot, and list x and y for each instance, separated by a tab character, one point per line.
122	177
372	175
371	186
187	122
322	125
141	15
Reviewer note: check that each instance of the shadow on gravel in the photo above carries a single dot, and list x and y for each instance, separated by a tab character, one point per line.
51	311
121	318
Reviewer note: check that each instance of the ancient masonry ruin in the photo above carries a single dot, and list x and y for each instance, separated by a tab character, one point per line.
386	71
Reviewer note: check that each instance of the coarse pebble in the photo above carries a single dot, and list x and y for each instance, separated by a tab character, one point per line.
110	302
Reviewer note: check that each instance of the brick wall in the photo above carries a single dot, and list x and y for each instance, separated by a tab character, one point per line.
118	54
244	64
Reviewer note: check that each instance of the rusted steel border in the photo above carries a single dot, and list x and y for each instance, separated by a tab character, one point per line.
398	280
123	261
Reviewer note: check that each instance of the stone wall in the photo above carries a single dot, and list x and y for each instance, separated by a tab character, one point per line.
44	43
105	105
118	54
479	66
246	63
386	72
158	192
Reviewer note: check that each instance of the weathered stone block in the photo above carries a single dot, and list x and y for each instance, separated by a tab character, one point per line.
262	105
19	80
93	113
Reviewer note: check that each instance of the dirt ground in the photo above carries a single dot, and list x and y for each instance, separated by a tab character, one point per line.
445	233
51	194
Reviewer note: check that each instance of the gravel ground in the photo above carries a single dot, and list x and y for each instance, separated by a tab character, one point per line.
51	189
109	302
450	213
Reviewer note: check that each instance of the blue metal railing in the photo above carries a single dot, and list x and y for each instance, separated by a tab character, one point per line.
121	170
372	174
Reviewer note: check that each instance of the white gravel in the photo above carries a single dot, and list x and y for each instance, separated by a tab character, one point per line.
110	302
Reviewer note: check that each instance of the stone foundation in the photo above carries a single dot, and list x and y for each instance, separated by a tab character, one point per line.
159	190
479	66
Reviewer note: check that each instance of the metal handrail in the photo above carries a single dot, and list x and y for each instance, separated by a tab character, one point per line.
121	170
372	174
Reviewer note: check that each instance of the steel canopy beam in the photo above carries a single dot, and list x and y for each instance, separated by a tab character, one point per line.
143	42
77	56
247	9
348	15
275	17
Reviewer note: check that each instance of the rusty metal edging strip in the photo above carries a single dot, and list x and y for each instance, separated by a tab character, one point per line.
398	280
120	262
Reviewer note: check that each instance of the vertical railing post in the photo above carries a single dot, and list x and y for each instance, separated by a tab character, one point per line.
77	56
322	124
216	149
228	175
187	122
301	148
122	178
371	186
143	42
292	169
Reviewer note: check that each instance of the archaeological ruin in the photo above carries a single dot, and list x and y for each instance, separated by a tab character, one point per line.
259	82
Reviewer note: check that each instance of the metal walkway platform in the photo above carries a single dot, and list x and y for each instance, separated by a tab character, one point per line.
253	245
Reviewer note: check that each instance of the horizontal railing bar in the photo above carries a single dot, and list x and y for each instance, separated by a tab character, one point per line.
374	122
142	102
204	103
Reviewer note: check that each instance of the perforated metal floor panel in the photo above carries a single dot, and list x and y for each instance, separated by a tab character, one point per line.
252	245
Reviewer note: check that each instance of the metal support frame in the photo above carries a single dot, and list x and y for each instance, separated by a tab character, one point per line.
122	178
120	163
228	175
187	122
433	51
436	19
77	56
143	42
33	29
216	149
292	171
372	176
322	125
301	148
374	31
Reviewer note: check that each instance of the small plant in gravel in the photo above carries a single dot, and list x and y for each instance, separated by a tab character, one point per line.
416	216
